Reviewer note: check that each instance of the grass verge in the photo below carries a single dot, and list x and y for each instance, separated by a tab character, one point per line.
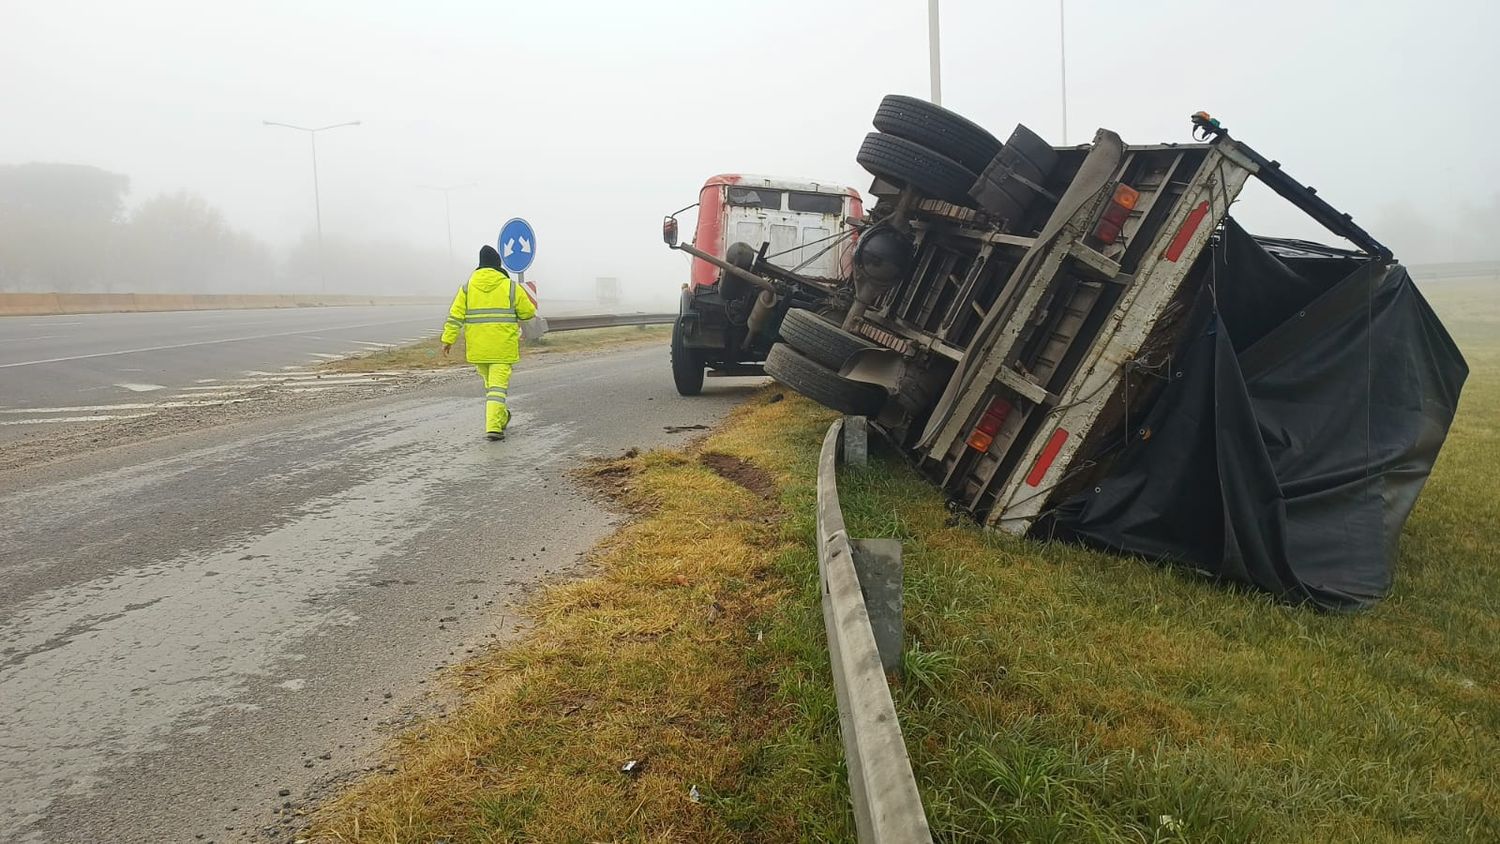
1050	693
678	654
427	354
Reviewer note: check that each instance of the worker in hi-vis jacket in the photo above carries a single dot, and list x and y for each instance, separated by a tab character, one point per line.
489	308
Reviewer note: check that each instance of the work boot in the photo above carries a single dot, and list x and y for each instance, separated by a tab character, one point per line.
494	435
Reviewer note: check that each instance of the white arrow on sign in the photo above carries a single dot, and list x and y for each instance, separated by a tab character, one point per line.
525	245
510	247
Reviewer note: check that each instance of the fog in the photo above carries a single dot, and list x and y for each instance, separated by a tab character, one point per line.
592	120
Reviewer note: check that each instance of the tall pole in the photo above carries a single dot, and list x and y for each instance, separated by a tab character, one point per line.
317	192
448	215
318	214
447	191
934	53
1062	51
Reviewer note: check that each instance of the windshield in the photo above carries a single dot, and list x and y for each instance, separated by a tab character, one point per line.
755	198
816	203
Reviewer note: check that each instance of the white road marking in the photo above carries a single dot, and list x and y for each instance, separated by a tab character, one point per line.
86	408
287	377
219	341
161	405
141	388
321	387
71	419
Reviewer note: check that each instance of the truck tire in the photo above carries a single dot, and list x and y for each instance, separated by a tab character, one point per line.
819	340
822	384
687	365
940	130
911	164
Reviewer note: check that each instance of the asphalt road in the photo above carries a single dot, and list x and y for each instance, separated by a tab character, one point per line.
89	360
192	624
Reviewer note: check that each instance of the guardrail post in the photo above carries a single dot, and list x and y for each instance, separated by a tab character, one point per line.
878	564
856	440
534	329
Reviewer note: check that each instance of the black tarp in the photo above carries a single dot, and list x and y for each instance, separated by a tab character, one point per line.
1306	405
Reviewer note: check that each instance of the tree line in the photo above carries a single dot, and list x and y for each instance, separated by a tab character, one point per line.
66	228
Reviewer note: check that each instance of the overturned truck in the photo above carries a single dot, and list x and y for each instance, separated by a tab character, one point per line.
1080	342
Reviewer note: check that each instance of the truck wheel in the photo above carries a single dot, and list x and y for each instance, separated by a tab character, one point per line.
687	365
822	384
940	130
818	339
908	163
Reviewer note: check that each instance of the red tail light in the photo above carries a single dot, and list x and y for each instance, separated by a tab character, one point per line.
989	425
1115	214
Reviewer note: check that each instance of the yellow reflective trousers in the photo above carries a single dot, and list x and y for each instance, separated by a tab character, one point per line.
496	385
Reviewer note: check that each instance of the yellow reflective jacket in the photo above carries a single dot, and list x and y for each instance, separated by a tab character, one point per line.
489	309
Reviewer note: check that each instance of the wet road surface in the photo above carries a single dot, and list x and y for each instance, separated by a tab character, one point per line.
97	359
191	625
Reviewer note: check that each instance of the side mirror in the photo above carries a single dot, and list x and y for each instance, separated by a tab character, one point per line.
669	231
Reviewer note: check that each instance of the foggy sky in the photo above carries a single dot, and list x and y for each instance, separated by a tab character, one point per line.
594	119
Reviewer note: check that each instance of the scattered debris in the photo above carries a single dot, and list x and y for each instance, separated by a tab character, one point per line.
694	795
677	429
632	767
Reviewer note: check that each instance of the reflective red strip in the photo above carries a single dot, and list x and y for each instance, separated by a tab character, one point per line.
1049	454
1185	232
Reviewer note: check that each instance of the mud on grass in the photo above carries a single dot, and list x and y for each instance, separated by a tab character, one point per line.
676	654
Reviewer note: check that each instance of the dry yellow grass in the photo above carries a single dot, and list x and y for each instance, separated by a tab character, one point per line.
661	657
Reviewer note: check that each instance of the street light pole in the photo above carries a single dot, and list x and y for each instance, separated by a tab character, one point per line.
1062	50
934	53
317	194
448	211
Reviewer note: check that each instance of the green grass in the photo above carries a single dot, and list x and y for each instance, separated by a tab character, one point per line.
1049	693
1053	693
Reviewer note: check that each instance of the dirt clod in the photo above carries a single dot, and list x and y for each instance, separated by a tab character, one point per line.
741	472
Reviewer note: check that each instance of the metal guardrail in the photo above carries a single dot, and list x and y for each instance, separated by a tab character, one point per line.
858	577
577	323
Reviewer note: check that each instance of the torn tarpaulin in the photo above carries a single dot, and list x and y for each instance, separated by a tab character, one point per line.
1310	397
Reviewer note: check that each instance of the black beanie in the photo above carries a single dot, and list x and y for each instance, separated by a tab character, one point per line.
490	258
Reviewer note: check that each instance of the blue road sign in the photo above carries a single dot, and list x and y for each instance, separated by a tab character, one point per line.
517	245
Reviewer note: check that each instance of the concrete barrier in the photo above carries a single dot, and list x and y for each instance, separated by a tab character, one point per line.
29	303
43	304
